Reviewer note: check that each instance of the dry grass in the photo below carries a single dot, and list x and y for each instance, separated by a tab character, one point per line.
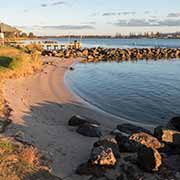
17	160
21	162
15	63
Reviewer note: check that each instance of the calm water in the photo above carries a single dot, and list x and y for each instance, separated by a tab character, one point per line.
143	91
122	43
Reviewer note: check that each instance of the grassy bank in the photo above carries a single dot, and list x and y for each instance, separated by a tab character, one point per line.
15	63
18	161
21	162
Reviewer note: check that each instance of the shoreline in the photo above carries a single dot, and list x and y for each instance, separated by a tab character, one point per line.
89	105
41	110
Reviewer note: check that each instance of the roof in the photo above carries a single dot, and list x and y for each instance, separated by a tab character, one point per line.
7	28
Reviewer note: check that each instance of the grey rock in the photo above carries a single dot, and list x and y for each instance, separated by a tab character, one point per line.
89	130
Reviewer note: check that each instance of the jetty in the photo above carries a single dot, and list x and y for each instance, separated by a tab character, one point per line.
49	45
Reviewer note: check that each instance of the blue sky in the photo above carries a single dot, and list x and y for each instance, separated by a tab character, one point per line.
57	17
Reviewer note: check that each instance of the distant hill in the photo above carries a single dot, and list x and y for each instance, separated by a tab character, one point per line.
8	29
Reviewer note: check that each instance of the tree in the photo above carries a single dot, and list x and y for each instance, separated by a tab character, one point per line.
24	35
31	35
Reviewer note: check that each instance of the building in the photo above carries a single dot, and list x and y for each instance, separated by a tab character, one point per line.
8	31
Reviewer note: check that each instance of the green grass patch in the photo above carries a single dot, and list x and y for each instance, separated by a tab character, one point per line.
6	146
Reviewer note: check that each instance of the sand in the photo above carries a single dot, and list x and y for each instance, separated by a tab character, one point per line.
42	106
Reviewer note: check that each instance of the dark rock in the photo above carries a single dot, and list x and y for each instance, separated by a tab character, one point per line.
130	129
149	141
172	162
89	169
149	159
174	124
124	144
103	156
41	175
109	143
89	130
80	120
132	172
4	122
168	136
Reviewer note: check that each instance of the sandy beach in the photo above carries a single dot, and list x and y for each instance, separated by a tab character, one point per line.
42	106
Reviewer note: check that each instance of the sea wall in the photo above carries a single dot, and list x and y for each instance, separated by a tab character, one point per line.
111	54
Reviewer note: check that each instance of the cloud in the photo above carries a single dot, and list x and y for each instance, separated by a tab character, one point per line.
68	27
147	23
173	15
147	12
90	22
57	3
119	13
44	5
109	14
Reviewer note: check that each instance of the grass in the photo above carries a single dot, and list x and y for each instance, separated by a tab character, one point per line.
21	162
15	63
6	147
17	160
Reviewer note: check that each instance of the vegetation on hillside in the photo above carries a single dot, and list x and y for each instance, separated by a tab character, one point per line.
21	162
16	63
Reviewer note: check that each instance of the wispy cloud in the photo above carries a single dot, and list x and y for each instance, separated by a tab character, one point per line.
66	27
146	23
57	3
119	13
173	15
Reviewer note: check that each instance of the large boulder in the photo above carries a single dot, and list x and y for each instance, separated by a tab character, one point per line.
89	169
149	141
174	124
109	143
149	159
130	129
90	130
77	120
124	144
168	136
172	162
103	156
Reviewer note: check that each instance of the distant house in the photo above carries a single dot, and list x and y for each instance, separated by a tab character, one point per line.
8	31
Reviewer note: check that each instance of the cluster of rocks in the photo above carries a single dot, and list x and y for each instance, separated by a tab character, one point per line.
132	153
86	127
112	54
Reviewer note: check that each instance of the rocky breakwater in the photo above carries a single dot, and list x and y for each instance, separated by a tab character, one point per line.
112	54
132	153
